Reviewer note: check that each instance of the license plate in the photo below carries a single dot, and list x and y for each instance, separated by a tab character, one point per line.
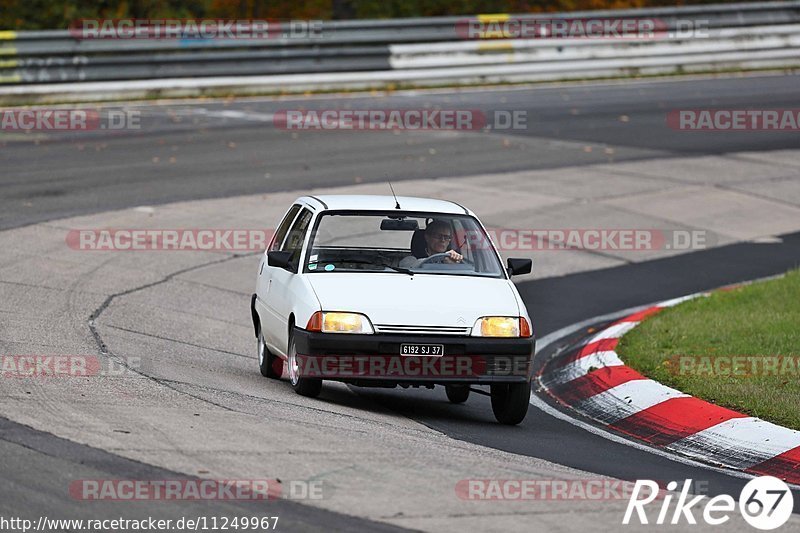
434	350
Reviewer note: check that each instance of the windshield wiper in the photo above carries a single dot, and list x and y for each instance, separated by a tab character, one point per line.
385	265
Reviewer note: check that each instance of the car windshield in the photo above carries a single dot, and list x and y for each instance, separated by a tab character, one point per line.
403	243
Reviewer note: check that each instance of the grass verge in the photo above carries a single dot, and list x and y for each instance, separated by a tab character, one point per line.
739	349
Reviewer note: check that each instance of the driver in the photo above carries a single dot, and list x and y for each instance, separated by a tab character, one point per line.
438	235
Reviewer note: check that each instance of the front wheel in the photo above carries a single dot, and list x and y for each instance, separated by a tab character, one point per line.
310	387
510	402
457	393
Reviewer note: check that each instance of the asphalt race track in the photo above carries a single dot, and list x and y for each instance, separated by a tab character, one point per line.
212	150
229	148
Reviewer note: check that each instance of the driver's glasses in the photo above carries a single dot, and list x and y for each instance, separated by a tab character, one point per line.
442	236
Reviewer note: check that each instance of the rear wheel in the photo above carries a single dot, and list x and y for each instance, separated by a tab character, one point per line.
271	365
310	387
457	393
510	402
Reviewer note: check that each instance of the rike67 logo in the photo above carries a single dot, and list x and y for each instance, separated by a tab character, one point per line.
765	503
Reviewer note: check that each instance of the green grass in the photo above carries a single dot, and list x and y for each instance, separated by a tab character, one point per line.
760	320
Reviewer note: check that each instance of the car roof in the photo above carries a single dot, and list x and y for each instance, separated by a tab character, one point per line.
357	202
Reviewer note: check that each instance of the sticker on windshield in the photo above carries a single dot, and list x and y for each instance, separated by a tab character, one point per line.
329	267
312	266
314	257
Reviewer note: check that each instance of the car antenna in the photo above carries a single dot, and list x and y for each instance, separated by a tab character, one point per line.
396	202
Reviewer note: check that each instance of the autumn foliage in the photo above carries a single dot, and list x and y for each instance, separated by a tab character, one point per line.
54	14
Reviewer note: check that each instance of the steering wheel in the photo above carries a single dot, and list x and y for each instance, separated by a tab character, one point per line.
436	259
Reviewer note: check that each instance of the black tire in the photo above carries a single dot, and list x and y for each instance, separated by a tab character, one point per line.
270	365
510	402
310	387
457	393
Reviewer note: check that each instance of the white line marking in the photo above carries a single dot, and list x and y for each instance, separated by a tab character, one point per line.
241	115
676	301
614	332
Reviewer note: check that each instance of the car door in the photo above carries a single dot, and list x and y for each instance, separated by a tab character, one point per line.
264	280
279	299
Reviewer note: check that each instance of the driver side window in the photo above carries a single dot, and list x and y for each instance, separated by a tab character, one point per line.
461	242
280	235
294	241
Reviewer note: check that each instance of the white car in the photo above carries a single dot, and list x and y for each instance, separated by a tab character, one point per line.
385	291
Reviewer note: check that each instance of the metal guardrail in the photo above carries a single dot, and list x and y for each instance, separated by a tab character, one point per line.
779	38
373	51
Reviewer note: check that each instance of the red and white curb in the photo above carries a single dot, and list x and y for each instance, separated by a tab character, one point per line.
593	380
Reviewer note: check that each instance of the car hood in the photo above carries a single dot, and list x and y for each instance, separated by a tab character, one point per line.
424	300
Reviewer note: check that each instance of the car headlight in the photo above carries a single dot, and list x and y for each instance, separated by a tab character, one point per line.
501	326
339	322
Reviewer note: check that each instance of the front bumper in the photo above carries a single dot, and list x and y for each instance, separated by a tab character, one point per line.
376	358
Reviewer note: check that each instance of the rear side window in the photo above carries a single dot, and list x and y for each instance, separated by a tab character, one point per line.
284	227
294	241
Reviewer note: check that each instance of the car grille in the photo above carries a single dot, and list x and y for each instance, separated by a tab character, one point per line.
422	330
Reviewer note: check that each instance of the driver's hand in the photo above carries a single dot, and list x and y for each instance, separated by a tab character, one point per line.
453	257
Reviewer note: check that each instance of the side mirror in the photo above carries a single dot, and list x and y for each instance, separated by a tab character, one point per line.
518	266
280	260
